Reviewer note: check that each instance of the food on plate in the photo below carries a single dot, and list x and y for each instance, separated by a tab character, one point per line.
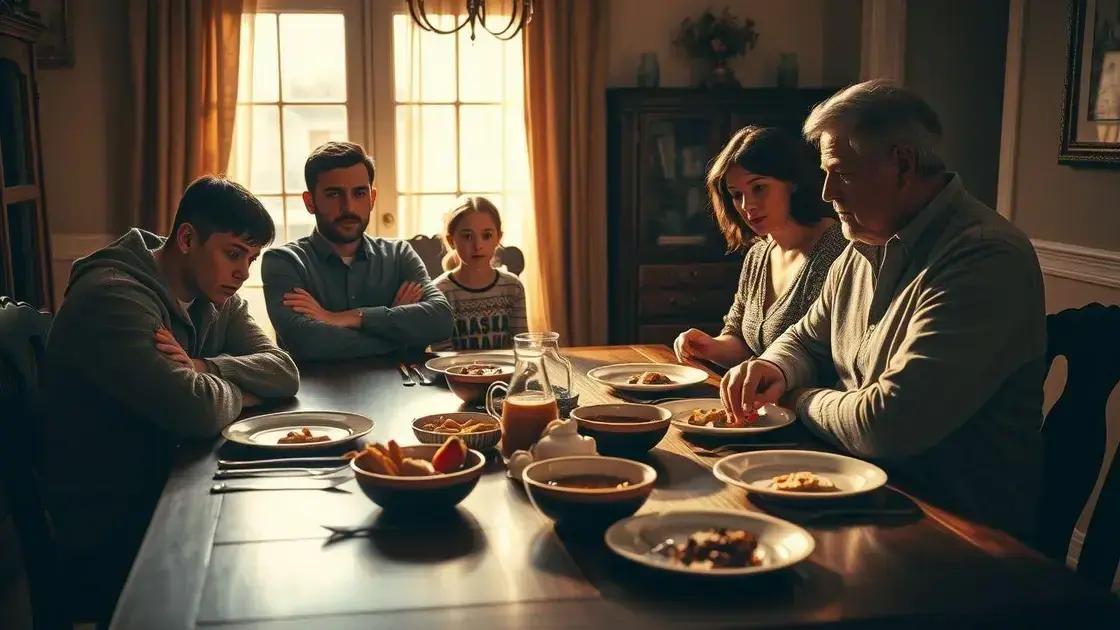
719	418
302	437
590	482
708	417
389	459
650	378
803	481
452	426
715	548
476	369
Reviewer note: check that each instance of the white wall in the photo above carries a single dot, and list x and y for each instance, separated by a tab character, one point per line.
84	126
797	26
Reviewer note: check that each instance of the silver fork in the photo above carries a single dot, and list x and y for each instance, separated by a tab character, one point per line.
424	380
267	473
405	376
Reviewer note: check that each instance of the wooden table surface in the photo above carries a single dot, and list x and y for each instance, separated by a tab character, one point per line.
262	559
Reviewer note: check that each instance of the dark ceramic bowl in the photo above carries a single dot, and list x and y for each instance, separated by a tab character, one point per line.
623	439
589	509
432	492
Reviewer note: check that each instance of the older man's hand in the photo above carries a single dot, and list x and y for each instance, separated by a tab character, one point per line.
748	382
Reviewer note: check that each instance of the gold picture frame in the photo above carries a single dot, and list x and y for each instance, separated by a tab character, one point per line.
1090	133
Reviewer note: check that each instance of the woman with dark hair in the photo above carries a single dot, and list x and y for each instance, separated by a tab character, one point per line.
765	192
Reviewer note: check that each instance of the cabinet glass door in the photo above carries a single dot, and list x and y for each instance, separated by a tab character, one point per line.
26	261
674	212
15	125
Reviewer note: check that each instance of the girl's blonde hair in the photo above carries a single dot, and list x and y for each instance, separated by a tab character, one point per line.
455	217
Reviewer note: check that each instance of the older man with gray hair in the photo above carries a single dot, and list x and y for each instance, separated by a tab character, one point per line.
932	319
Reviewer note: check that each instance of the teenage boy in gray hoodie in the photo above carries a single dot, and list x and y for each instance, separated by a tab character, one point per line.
151	346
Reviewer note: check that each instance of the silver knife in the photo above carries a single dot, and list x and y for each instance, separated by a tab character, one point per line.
278	484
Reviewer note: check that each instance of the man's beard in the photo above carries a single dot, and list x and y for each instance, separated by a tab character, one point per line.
330	229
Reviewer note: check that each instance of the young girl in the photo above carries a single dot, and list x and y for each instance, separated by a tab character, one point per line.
489	303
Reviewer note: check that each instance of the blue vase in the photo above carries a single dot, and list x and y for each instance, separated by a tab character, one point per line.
649	74
787	70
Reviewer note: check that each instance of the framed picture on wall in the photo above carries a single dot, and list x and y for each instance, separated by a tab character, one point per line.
1091	112
55	46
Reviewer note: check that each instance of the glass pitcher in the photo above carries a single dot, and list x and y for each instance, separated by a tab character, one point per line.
530	403
559	372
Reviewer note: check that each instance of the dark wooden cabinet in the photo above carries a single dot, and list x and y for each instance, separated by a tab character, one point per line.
668	264
24	240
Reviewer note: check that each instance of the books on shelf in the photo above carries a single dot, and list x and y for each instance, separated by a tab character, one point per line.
669	240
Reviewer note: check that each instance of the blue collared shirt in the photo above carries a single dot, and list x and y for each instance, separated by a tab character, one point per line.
369	284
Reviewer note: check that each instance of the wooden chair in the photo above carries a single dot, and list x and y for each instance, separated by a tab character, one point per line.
432	249
1074	434
23	335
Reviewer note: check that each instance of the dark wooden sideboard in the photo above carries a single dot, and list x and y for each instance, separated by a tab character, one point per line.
668	265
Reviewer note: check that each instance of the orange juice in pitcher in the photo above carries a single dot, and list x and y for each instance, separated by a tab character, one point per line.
530	403
524	417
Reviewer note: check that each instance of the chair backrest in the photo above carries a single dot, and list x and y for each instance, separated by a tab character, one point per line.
511	258
23	335
1074	434
432	249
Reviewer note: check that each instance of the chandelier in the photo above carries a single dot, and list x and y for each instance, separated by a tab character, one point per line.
521	13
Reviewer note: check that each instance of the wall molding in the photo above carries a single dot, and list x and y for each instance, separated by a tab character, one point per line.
68	246
1085	264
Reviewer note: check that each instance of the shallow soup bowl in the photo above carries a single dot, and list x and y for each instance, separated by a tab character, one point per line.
471	388
623	429
588	508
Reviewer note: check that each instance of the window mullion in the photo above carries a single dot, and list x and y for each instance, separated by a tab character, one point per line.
280	118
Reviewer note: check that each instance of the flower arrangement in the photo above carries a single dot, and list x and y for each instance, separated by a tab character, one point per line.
716	39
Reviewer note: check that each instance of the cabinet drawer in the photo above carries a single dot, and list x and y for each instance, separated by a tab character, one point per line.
667	333
691	305
698	275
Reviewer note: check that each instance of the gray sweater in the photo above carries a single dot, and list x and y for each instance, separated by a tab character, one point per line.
938	338
747	319
369	284
119	405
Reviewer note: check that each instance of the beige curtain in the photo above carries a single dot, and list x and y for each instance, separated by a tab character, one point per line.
184	63
565	111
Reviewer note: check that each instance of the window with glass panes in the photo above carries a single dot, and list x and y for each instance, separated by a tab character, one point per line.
459	126
292	98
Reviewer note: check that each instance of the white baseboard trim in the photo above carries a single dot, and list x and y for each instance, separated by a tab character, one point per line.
68	246
1085	264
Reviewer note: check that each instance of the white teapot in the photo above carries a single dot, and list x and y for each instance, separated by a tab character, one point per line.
560	439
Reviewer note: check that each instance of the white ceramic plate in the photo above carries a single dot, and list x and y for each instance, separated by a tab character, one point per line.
770	417
781	543
754	472
442	364
616	376
265	431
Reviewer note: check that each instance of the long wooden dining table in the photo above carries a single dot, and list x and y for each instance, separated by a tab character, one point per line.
264	559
